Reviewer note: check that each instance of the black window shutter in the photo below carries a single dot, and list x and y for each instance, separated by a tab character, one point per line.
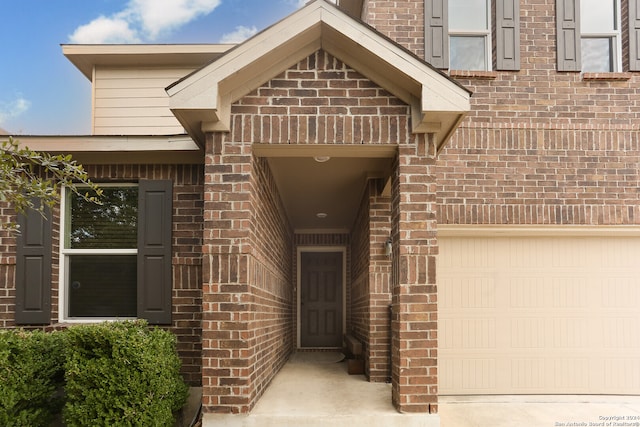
568	34
33	268
154	251
508	35
437	33
634	35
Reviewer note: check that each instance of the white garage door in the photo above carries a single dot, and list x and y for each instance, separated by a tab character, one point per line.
529	315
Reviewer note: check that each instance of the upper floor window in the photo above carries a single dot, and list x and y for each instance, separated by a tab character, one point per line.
590	35
458	34
600	35
469	35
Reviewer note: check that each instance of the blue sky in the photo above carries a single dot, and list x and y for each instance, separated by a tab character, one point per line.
42	93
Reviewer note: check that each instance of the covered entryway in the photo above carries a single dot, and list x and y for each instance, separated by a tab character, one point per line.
306	127
321	300
539	311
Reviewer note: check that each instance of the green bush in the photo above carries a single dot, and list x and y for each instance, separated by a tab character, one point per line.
31	373
122	374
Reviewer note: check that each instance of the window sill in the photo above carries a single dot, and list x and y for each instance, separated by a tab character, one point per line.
479	75
606	76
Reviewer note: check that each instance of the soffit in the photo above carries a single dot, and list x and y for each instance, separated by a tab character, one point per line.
202	100
175	149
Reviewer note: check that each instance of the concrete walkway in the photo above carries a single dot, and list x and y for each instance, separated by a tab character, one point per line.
540	411
314	390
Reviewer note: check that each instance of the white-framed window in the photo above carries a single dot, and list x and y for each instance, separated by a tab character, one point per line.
99	251
600	37
458	34
470	35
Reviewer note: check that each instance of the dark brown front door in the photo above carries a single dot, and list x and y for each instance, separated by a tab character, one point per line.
321	299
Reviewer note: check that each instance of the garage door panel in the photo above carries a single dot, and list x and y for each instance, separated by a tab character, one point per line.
475	334
620	292
538	375
539	315
619	333
622	375
469	293
477	375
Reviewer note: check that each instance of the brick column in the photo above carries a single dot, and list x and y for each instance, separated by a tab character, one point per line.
226	350
414	292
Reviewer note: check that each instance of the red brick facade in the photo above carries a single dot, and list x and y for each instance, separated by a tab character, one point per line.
539	147
401	21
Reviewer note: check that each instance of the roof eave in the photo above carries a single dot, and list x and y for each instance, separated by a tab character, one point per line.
86	56
202	101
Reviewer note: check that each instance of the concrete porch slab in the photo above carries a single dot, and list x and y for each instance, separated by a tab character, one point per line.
315	390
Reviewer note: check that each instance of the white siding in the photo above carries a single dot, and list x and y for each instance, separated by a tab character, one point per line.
133	101
539	315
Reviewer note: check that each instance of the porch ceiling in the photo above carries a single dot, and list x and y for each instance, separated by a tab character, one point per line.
308	188
334	187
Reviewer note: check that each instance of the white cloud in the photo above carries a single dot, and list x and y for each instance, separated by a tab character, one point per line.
158	16
14	108
142	20
105	30
238	35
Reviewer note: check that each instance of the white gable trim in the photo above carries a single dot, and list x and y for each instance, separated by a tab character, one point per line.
202	101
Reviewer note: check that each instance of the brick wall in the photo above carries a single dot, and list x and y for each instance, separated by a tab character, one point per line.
186	234
359	307
7	269
320	101
402	21
248	296
541	146
540	176
270	278
379	285
370	290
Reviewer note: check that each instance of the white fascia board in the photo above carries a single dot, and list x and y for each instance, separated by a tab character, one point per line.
195	97
454	99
